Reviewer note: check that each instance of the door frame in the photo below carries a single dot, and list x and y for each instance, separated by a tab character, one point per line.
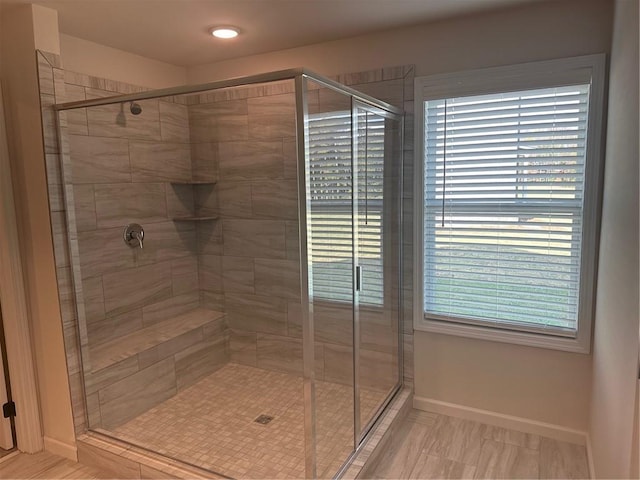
16	324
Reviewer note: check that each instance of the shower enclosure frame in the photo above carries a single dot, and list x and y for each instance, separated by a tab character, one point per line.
300	76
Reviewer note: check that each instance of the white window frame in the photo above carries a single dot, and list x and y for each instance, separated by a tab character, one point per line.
567	71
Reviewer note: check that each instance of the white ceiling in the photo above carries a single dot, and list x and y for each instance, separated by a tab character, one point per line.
176	31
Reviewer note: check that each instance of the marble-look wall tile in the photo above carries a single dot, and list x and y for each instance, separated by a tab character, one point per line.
254	238
184	275
93	299
210	273
204	119
60	239
243	347
290	156
160	162
251	160
292	232
265	127
180	200
256	313
206	200
238	274
209	235
204	161
294	320
104	251
131	396
76	118
56	198
282	354
279	278
100	379
136	287
99	160
200	360
153	313
166	241
276	199
117	120
85	207
54	172
174	122
284	104
234	199
169	348
45	75
115	326
212	300
120	204
66	296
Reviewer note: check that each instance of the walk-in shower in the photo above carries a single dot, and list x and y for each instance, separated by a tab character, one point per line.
236	258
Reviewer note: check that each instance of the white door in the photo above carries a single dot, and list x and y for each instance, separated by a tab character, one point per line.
6	439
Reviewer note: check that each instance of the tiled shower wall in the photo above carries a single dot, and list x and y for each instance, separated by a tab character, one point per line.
118	169
257	203
254	271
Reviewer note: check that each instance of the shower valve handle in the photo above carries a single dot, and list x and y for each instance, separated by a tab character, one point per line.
134	235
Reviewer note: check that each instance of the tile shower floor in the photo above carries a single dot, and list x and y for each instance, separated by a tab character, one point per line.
212	424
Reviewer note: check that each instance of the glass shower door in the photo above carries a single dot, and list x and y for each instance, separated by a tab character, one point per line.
352	177
376	207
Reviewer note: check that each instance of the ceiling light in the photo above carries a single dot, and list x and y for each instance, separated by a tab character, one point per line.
225	32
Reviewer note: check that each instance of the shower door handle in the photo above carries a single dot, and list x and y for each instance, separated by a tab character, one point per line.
358	278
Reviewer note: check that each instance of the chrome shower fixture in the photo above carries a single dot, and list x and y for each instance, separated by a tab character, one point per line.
135	108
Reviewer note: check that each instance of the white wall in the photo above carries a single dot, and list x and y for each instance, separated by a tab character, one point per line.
19	40
543	385
615	349
521	34
90	58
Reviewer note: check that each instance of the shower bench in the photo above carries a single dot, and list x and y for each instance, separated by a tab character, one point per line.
158	336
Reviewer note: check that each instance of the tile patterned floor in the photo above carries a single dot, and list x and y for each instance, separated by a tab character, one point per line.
438	446
211	424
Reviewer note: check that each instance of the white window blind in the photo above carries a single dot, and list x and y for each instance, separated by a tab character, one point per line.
331	208
504	178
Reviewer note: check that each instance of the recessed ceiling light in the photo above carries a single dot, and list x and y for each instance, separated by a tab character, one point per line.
225	32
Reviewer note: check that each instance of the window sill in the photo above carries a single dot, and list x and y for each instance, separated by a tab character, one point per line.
575	345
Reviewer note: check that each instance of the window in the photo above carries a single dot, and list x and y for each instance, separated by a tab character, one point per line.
509	201
331	209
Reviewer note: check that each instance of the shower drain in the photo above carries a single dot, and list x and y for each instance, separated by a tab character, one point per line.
263	419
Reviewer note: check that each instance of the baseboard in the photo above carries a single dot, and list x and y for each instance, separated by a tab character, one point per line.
57	447
521	424
592	467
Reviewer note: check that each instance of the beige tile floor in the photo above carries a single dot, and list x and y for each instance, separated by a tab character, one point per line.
211	424
437	446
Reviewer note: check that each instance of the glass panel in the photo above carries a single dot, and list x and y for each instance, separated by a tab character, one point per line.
192	345
330	263
377	218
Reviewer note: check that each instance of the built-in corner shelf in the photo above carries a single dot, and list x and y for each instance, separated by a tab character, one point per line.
197	218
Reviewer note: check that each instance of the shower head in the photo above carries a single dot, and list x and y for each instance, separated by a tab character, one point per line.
135	108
